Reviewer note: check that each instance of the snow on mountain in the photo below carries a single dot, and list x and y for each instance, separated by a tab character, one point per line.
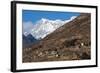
45	26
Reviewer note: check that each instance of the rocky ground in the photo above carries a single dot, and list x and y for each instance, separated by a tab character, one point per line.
73	53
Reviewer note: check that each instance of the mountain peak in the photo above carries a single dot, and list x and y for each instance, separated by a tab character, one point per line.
45	26
42	21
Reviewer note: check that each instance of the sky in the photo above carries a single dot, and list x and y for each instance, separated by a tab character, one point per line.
33	15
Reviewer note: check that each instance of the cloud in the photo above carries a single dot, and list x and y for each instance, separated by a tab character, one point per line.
27	26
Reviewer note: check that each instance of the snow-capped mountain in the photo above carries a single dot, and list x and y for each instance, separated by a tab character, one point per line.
45	26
